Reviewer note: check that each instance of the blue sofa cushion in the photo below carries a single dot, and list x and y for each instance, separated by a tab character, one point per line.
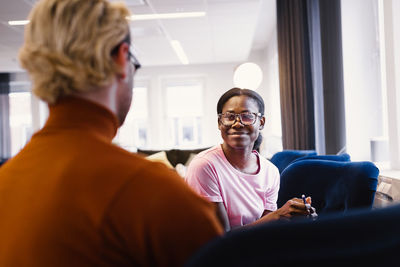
283	158
332	185
359	238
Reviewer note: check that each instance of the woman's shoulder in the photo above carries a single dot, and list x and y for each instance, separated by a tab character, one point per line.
268	165
210	154
207	157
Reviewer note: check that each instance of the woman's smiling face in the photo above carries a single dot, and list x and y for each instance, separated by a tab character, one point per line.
239	136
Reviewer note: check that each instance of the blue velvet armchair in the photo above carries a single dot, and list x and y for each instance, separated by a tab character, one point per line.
332	185
2	161
342	157
358	238
283	158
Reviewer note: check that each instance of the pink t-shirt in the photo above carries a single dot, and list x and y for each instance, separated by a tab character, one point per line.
245	196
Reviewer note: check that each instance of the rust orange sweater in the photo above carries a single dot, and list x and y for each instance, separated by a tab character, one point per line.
71	198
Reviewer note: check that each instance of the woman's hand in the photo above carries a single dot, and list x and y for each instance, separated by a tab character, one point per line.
294	207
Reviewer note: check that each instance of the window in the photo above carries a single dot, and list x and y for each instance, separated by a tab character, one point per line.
371	38
20	120
22	114
184	112
133	133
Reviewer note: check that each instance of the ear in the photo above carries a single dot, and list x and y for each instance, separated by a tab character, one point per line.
219	125
262	123
121	58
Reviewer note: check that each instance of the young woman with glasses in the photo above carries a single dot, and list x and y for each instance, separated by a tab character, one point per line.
242	184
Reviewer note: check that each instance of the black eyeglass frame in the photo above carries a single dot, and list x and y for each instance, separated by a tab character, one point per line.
257	115
135	62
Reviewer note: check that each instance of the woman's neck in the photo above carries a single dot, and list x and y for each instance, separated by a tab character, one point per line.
243	160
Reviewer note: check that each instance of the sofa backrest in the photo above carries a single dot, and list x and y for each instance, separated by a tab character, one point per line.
360	238
332	185
283	158
174	156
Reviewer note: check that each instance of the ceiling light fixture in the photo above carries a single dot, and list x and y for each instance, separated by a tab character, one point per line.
178	15
248	75
18	22
176	45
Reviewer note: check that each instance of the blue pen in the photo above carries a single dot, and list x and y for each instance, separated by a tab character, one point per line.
311	211
305	203
304	199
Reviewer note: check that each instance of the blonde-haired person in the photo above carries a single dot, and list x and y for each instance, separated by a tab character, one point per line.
71	197
72	46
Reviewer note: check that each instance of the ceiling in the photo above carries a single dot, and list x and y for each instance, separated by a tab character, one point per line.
228	32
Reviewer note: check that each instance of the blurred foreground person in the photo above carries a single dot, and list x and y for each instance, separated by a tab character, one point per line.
71	197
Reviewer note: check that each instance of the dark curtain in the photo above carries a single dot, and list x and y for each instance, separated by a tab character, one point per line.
5	139
296	90
314	28
332	69
311	75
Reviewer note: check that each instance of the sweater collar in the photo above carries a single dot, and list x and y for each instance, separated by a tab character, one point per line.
74	112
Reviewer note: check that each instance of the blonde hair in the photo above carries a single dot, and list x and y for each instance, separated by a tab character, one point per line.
68	45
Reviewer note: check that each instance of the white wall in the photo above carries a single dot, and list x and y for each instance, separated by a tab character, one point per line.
217	78
269	90
390	11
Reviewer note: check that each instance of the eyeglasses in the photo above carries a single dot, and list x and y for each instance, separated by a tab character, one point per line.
135	62
246	118
133	59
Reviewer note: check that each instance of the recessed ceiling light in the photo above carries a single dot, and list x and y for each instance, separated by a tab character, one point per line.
18	22
176	45
132	2
178	15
